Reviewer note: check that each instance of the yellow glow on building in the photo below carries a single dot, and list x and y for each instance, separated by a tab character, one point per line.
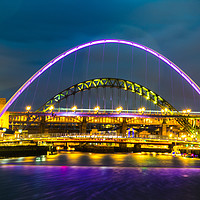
4	120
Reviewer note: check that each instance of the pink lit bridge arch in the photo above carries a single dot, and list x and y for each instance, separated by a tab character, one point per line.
70	51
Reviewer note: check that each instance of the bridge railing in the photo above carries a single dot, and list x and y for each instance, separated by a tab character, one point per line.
88	136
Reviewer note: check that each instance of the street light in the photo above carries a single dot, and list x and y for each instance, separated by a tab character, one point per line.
164	111
96	109
28	108
119	109
74	108
51	108
20	130
141	110
186	111
183	136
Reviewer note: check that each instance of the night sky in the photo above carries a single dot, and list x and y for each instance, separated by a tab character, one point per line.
34	32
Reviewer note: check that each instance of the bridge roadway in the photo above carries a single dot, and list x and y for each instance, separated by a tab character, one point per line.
77	140
101	118
43	122
103	114
108	145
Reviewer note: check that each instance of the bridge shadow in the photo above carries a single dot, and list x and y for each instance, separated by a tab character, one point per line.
152	161
176	162
62	159
129	161
107	161
84	160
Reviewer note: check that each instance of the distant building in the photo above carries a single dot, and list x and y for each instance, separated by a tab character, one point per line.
4	120
2	102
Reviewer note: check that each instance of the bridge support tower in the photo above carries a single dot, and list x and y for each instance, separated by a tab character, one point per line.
42	125
83	126
164	128
123	128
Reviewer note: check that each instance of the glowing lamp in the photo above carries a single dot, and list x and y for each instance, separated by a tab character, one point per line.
119	109
51	107
96	109
184	111
20	130
183	136
28	108
141	110
74	108
188	111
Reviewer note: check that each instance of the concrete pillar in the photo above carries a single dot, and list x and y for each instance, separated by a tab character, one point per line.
83	126
123	128
42	125
118	131
123	146
164	128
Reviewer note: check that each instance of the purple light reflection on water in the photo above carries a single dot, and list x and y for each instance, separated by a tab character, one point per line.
61	182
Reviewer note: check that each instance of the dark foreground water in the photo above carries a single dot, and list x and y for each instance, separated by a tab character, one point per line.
53	178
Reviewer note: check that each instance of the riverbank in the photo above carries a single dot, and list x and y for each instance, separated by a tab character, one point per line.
35	150
22	151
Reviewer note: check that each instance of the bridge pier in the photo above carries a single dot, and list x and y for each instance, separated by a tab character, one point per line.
83	126
123	147
164	128
123	128
42	125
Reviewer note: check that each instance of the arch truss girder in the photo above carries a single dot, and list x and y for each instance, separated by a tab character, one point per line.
120	84
111	83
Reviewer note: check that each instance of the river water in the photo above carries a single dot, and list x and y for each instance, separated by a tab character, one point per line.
100	176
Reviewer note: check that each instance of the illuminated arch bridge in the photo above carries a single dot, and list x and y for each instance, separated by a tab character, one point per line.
92	43
122	84
109	83
96	83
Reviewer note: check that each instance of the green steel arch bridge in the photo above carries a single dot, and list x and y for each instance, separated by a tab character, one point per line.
51	109
121	84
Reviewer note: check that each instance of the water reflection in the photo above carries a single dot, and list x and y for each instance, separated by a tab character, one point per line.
62	159
99	159
97	183
84	160
176	161
107	160
129	161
